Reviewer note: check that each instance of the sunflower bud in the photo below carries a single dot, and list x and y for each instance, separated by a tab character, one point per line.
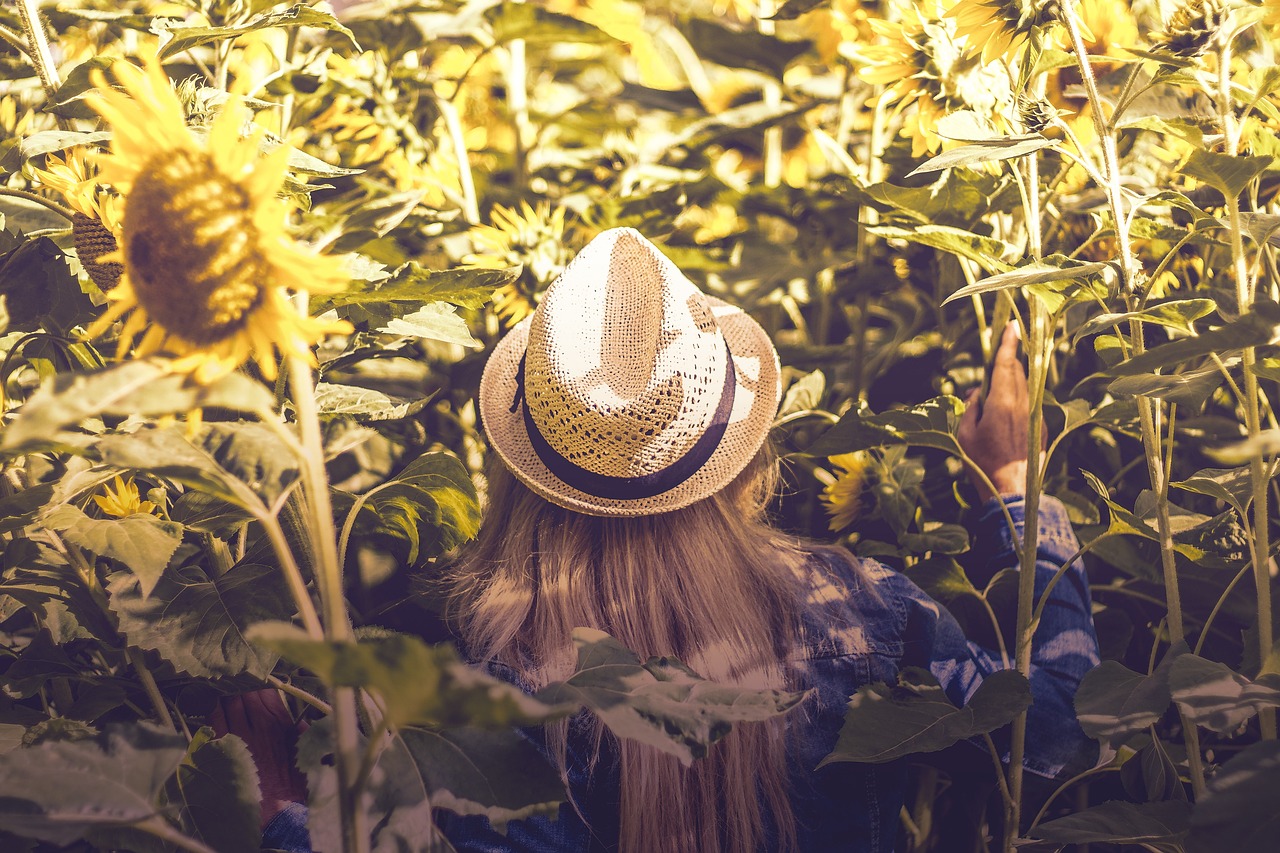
1192	28
1035	113
93	240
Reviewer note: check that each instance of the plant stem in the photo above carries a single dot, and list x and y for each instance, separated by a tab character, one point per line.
1245	289
292	575
149	685
38	49
518	104
772	95
300	694
59	209
355	831
453	124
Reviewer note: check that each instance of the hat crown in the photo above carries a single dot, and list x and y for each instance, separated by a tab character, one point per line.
625	361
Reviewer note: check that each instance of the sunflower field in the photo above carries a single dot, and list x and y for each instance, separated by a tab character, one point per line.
254	254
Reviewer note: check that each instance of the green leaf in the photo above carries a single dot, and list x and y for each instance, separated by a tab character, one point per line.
1238	813
19	509
141	541
984	151
1229	175
746	48
60	790
432	502
540	26
937	537
418	684
1189	389
199	624
986	251
176	38
930	424
1179	314
468	771
375	218
661	703
438	321
30	218
805	394
792	9
887	722
1232	485
39	290
1214	696
216	787
1119	822
1054	268
1259	326
464	287
244	464
141	388
363	404
756	116
48	141
1150	775
1265	443
1113	702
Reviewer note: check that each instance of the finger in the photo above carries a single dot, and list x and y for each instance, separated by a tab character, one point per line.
968	426
218	721
1008	381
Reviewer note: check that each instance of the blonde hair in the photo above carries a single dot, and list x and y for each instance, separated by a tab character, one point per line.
712	584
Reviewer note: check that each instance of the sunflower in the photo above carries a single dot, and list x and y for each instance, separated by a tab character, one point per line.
1002	27
96	213
203	242
843	495
529	237
124	500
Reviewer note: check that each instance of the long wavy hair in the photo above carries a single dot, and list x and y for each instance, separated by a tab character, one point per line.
712	584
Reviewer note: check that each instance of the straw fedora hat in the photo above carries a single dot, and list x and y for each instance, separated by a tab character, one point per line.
629	391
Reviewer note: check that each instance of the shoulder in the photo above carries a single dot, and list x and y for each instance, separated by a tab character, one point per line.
851	604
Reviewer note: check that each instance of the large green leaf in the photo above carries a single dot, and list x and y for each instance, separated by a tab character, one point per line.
661	703
418	684
432	503
1118	822
60	790
396	797
987	251
985	151
1214	696
413	285
536	25
198	624
1052	269
930	424
142	388
41	579
141	541
176	37
469	772
437	321
742	48
1113	702
245	464
1189	389
363	404
1260	325
886	722
216	787
1229	175
1238	813
1179	314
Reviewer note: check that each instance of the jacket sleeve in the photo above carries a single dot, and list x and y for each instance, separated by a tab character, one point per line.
1064	645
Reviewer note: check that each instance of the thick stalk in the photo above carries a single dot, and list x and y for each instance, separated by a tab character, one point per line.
518	105
1037	351
38	48
355	830
1245	291
772	95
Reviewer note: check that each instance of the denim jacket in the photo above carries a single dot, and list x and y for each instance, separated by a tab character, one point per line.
863	623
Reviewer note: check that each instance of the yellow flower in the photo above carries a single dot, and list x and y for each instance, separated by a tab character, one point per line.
203	238
531	237
124	500
1001	27
843	496
97	216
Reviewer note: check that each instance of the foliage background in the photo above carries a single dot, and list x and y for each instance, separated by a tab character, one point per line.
463	153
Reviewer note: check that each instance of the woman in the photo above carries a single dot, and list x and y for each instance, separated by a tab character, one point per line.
630	416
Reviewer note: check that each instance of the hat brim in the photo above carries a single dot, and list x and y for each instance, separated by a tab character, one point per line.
756	400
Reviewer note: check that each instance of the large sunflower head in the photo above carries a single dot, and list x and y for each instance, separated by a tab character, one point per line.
206	256
1002	27
843	495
